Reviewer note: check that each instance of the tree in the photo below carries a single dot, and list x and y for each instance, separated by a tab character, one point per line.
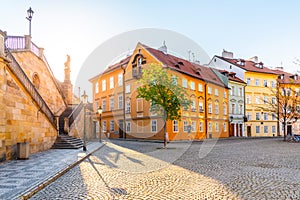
284	105
162	90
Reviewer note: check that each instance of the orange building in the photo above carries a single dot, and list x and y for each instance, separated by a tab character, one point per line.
207	117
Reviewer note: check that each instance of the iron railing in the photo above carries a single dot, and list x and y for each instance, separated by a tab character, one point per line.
16	69
76	111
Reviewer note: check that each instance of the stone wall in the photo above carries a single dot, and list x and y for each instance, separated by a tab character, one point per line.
20	119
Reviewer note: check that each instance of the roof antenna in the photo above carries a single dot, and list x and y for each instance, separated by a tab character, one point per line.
193	57
189	53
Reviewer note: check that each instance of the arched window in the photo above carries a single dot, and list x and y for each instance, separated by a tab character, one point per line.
36	80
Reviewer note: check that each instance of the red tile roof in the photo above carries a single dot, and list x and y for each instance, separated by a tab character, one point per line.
287	77
117	65
186	67
231	76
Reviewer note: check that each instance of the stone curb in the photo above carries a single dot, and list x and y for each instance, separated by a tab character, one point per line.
30	192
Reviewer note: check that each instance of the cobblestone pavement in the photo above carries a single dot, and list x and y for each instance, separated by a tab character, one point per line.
233	169
19	177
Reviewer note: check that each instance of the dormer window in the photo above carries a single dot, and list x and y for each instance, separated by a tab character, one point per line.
140	61
282	76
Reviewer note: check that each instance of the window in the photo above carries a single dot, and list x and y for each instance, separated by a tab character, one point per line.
248	99
265	100
273	100
266	116
103	85
241	92
193	106
217	126
111	82
120	79
192	85
249	116
273	116
153	126
216	92
266	129
273	129
201	126
225	94
224	126
111	103
210	108
297	92
209	90
193	127
174	80
216	108
273	84
128	127
265	83
232	90
257	129
103	105
127	89
139	104
256	82
200	87
248	81
185	126
224	109
128	105
120	104
257	116
288	92
184	83
112	125
232	108
210	127
175	126
257	100
240	109
97	88
104	126
201	107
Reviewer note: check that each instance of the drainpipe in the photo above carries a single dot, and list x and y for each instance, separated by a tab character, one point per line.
244	117
205	110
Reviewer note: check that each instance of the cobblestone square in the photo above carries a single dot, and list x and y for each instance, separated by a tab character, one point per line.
214	169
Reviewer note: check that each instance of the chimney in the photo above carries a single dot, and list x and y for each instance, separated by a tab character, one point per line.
254	59
2	37
227	54
163	48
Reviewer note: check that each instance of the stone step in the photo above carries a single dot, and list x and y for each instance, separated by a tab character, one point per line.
67	142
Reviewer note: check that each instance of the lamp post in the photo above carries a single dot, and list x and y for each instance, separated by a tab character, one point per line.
84	99
100	115
29	18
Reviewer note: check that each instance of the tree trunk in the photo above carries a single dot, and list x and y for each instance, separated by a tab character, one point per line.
284	130
165	127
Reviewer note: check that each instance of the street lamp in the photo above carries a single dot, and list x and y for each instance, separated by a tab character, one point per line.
84	99
100	115
29	18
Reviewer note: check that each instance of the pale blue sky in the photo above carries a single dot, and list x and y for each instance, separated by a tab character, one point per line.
268	29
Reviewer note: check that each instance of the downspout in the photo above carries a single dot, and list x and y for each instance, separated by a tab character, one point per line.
244	117
205	110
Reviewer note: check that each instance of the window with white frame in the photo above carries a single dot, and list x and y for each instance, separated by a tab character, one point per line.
193	126
225	94
273	84
128	127
209	108
200	87
104	126
174	80
216	92
111	82
216	108
103	85
153	126
185	126
257	99
112	125
232	91
201	106
248	81
201	126
240	109
248	99
120	101
257	129
224	109
111	103
266	116
192	85
210	126
273	116
175	126
266	129
97	88
209	90
103	105
241	92
265	83
257	116
256	82
265	99
273	129
217	126
128	105
184	83
120	79
127	89
249	116
193	106
233	108
224	126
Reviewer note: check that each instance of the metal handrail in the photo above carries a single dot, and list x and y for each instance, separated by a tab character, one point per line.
16	69
76	111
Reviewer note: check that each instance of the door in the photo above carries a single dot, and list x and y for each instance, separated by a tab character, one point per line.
289	129
120	128
231	131
249	131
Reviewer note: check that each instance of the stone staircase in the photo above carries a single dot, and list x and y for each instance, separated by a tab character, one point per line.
65	114
67	142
